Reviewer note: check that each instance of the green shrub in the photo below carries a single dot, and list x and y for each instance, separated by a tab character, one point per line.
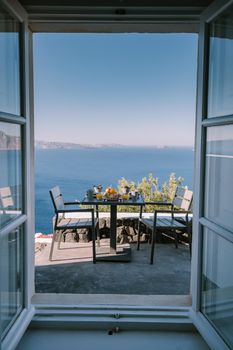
149	188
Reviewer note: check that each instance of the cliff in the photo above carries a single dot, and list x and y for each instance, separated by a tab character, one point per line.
9	142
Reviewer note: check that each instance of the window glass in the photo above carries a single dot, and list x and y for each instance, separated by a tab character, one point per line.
9	64
217	284
219	170
10	277
220	93
11	173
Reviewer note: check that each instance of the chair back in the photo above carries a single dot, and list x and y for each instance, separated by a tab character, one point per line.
183	198
6	199
57	199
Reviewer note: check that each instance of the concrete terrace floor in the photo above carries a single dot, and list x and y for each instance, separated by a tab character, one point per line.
72	271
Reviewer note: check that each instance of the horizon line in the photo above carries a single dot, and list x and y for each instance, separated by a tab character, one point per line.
113	144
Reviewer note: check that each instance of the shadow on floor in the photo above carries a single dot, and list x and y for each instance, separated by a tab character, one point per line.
169	275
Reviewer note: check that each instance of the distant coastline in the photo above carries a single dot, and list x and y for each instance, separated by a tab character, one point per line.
71	145
10	142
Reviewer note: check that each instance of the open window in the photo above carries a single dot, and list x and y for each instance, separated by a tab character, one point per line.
212	238
15	187
212	278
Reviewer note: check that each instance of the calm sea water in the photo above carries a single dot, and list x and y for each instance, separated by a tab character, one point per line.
77	170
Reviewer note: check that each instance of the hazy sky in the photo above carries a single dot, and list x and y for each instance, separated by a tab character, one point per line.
115	88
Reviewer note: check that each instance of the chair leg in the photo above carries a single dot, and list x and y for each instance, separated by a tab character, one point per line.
52	245
138	238
59	241
93	244
176	238
97	226
152	246
149	235
98	234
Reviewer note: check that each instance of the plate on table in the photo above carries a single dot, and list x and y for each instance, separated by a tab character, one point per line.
110	197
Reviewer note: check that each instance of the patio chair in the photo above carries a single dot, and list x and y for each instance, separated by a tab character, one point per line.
176	222
63	223
6	205
6	198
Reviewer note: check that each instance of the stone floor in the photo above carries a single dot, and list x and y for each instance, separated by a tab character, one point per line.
72	271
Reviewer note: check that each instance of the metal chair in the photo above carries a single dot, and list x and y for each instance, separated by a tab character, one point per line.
7	209
6	197
62	223
172	225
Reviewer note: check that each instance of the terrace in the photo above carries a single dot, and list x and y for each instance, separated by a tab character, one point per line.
68	268
72	270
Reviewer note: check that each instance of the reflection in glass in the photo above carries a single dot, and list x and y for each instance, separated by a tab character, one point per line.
217	284
220	93
219	180
10	277
9	64
10	174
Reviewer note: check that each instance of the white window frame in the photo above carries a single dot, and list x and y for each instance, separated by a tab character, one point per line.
96	315
202	122
26	220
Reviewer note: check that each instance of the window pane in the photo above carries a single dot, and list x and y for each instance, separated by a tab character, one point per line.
220	95
10	277
219	170
10	174
9	64
217	286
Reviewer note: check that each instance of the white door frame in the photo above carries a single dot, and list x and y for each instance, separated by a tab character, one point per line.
202	123
26	220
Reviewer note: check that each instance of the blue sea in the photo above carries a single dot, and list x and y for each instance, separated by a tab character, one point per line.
77	170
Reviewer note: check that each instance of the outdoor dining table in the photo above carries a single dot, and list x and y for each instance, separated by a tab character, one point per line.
125	254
